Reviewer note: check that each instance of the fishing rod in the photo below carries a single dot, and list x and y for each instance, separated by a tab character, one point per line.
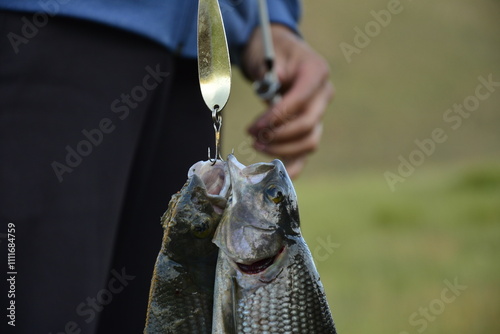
268	87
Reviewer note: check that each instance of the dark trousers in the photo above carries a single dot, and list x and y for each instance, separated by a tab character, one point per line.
98	128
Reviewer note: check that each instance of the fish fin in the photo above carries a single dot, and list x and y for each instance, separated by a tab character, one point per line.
223	310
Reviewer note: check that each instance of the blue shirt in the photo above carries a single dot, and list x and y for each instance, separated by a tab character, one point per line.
172	23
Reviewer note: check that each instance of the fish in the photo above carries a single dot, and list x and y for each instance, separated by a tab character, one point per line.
181	292
266	279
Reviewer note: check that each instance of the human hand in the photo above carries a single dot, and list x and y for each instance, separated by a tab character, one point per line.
290	129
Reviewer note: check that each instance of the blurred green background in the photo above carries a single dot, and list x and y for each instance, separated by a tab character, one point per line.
388	256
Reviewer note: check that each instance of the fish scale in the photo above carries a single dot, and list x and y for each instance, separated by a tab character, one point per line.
293	303
182	311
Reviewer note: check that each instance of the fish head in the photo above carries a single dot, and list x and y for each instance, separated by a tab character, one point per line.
195	212
261	216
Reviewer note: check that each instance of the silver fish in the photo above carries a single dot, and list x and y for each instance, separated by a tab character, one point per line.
181	294
266	280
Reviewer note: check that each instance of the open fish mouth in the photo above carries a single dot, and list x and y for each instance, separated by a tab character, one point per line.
215	178
260	265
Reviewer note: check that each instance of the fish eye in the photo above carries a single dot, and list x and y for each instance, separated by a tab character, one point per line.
275	194
202	229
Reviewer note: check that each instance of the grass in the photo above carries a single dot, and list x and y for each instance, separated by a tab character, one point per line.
394	250
397	249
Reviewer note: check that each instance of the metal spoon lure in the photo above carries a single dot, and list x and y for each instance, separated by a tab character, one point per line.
214	66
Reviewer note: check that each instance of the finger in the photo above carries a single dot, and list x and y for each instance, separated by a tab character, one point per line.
304	145
303	77
307	78
301	125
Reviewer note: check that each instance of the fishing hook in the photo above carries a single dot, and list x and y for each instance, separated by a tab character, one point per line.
217	119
